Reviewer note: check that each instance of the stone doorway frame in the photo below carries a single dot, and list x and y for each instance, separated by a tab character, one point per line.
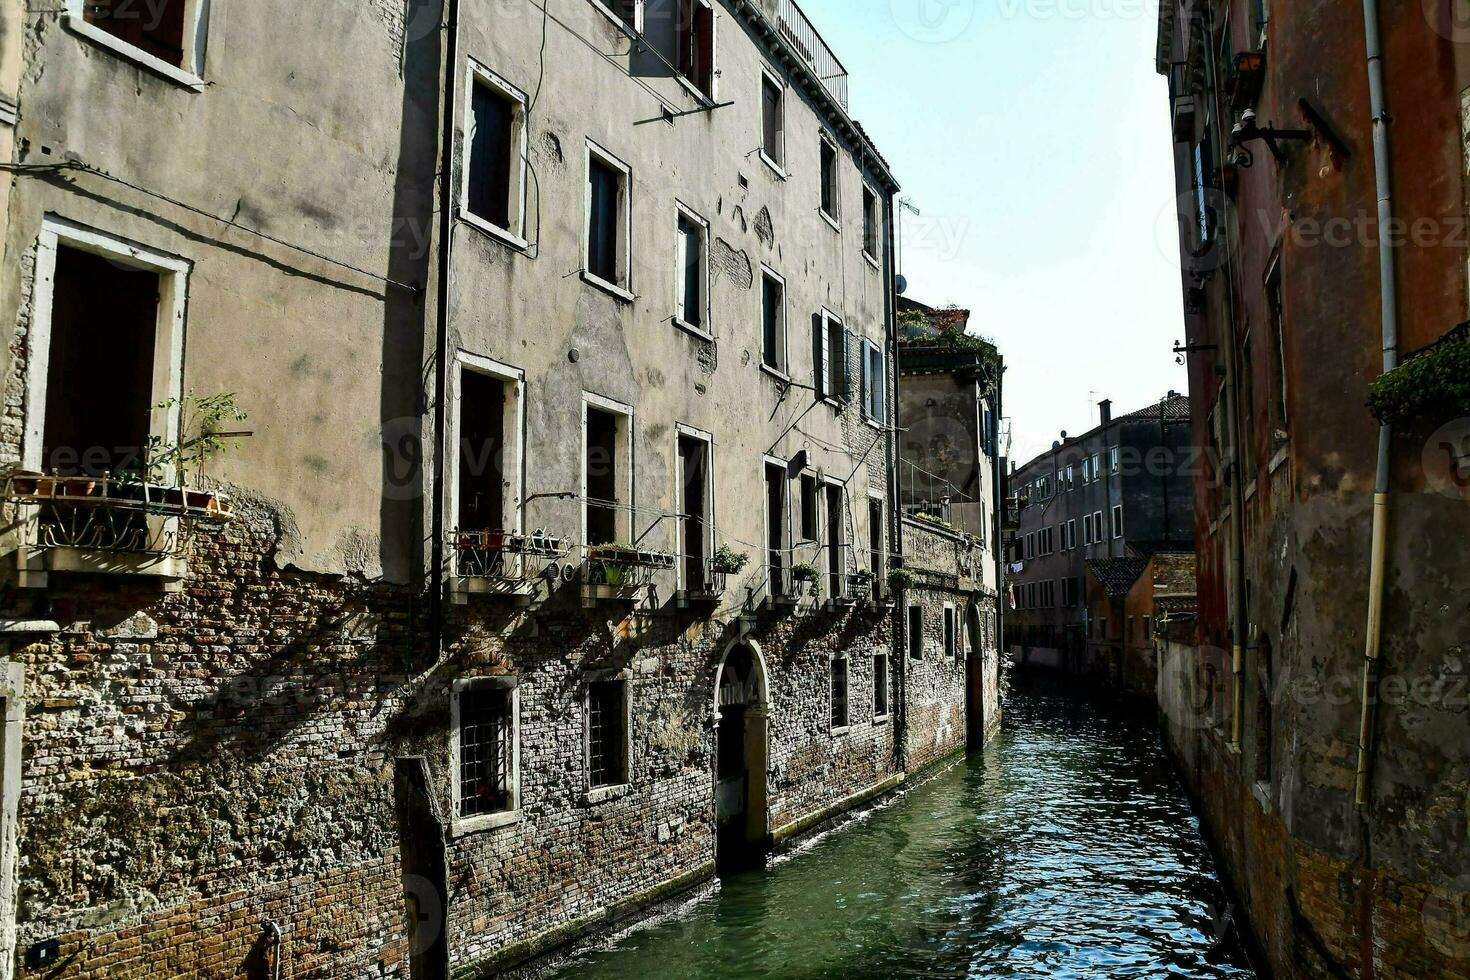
757	748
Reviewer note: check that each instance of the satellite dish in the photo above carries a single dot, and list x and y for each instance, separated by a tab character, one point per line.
900	284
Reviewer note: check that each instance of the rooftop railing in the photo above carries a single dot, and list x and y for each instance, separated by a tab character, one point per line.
798	31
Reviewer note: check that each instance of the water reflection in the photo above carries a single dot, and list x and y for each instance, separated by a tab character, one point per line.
1066	850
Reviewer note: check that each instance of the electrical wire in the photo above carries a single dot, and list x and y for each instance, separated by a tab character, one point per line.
25	169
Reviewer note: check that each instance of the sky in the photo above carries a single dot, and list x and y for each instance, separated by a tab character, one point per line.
1033	137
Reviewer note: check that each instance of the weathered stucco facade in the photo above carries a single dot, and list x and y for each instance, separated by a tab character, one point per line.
1332	769
395	716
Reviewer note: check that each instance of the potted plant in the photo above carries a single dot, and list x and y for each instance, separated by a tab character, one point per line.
807	574
185	460
900	579
725	562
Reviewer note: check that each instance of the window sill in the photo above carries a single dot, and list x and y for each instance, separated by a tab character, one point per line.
872	261
630	30
1279	459
873	423
841	730
776	374
706	99
615	290
602	794
776	168
1250	490
880	719
831	220
462	826
158	66
493	230
699	332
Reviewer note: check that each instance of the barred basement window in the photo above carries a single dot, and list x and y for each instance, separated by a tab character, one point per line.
486	745
839	693
607	760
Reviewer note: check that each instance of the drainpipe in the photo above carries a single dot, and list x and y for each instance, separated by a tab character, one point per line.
441	328
1389	296
895	523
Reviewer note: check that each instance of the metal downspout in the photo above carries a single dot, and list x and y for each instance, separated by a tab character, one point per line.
441	327
895	523
1389	295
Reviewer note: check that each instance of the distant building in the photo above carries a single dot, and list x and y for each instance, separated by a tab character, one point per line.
1119	491
1126	599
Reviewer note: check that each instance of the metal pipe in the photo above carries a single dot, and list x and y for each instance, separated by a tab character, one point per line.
1388	293
274	931
895	524
441	331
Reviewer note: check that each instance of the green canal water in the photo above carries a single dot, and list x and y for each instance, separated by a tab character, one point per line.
1067	849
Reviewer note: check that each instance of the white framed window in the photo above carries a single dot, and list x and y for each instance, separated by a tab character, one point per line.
950	643
835	539
488	459
877	553
1113	459
607	705
695	492
493	185
484	744
1072	533
829	358
874	383
1117	520
691	272
838	694
106	352
695	41
607	237
872	225
773	122
1086	529
778	549
830	175
627	14
168	37
1099	530
880	686
607	470
773	322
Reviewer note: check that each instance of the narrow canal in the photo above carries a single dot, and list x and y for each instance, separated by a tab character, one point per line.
1065	850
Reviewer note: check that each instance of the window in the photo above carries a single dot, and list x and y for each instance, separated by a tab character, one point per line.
1117	520
880	685
105	340
870	224
1148	628
875	539
1086	529
1203	177
1113	459
875	382
1066	480
836	542
494	179
839	693
166	36
773	121
691	273
949	633
487	445
776	526
628	13
607	471
829	357
808	502
1097	469
607	727
773	321
696	506
695	37
916	632
1086	471
608	217
1062	537
829	175
1276	312
1099	531
485	734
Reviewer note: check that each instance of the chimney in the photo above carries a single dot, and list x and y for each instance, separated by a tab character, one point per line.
1105	408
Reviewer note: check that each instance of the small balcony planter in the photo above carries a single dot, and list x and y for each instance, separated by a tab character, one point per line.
502	563
900	580
806	575
620	573
1433	385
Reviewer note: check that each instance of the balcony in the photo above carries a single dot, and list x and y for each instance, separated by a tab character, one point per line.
798	32
621	573
500	563
106	525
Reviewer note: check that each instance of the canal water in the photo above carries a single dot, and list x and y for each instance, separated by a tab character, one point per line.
1067	849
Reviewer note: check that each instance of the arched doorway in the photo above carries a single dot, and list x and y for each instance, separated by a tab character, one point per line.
741	714
975	680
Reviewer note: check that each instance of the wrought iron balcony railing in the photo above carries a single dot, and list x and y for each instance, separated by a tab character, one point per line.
799	32
505	556
109	513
